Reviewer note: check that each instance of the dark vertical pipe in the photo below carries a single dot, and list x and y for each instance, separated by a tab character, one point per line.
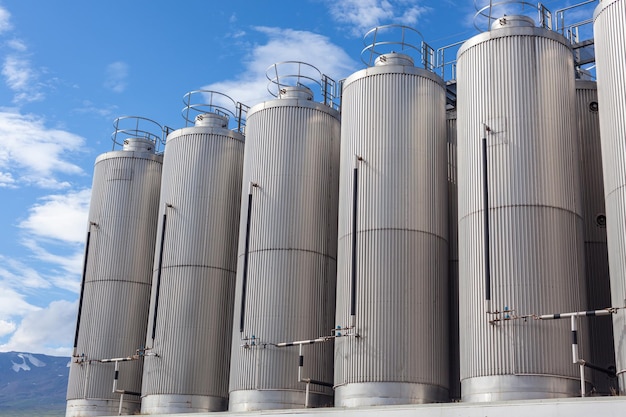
82	289
486	217
160	268
245	264
355	189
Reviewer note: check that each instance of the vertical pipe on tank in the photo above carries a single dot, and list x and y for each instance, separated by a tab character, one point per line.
610	50
486	249
158	277
393	116
355	213
82	290
246	257
602	351
518	81
186	369
116	289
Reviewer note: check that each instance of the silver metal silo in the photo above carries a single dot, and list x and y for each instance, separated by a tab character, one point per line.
115	293
287	249
393	208
515	87
188	338
610	48
602	352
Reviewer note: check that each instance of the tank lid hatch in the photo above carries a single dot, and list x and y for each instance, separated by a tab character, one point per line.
394	58
138	145
211	120
299	92
513	21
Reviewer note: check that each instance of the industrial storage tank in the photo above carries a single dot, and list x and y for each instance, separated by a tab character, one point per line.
515	88
453	261
610	48
188	338
392	272
602	352
287	248
115	291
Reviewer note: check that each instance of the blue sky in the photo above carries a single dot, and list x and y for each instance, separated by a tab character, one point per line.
69	68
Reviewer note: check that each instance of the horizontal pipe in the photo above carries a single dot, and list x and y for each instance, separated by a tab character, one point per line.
589	313
610	372
122	391
305	342
126	359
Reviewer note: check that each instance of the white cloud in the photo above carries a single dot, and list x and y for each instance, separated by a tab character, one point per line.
6	327
17	275
47	331
34	153
12	303
363	15
5	20
250	87
59	216
69	263
116	78
17	45
7	180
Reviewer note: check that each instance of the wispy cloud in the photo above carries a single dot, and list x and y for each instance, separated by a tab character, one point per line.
361	15
250	86
47	331
21	78
17	275
5	20
116	78
34	153
60	217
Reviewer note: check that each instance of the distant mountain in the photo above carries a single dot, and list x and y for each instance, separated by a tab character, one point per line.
32	384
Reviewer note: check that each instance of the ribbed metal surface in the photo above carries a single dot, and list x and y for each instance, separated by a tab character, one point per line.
202	171
602	351
453	255
292	154
124	205
518	81
610	48
394	118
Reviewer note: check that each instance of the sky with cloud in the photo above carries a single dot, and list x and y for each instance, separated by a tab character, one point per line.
67	70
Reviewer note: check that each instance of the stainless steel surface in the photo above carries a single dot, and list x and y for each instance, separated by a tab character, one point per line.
178	404
527	101
559	407
250	400
202	171
99	407
292	154
518	387
453	257
124	206
610	48
602	351
394	118
366	394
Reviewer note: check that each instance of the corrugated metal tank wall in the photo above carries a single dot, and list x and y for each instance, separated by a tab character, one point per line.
292	154
123	208
393	116
610	48
453	253
602	352
519	81
187	367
